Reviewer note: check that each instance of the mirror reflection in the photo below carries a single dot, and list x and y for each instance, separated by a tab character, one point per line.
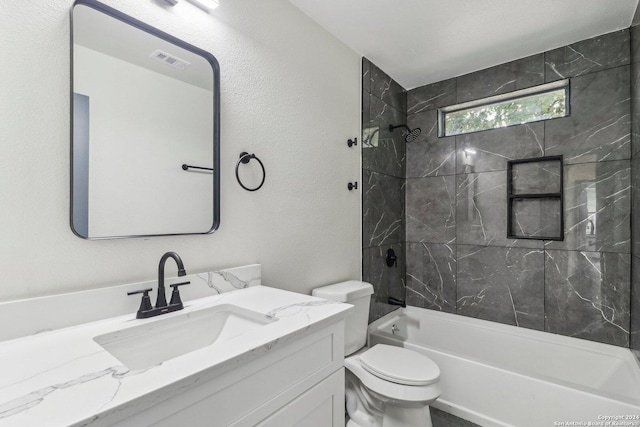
144	104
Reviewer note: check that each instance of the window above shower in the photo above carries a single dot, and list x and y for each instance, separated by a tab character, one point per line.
543	102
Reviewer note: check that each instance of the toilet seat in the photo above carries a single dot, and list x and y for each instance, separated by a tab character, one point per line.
400	365
402	394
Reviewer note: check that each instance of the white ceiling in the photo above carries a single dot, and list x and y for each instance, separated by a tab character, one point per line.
100	32
418	42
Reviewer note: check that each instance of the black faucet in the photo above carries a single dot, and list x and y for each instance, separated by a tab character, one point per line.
146	309
161	300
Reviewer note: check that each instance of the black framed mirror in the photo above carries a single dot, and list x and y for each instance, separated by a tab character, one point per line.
145	137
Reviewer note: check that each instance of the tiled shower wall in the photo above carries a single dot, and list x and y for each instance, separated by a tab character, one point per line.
384	102
635	174
458	257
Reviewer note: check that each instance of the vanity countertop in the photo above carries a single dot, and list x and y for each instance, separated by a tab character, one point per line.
64	377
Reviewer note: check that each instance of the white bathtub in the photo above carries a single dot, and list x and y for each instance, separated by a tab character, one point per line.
501	375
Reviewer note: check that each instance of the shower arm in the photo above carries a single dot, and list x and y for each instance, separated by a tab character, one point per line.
392	127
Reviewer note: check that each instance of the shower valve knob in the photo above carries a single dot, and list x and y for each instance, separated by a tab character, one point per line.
352	142
352	186
392	258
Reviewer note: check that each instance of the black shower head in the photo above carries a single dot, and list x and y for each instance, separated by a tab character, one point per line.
412	134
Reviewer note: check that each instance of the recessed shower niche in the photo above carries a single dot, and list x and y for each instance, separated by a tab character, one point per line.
534	198
144	104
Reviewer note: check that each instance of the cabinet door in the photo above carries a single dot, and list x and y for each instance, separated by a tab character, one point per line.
320	406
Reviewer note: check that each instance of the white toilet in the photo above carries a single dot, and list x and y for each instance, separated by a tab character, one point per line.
386	386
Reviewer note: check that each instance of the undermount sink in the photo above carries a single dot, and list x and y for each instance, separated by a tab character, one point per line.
154	342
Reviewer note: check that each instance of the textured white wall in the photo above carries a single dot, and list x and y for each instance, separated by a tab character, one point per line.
290	93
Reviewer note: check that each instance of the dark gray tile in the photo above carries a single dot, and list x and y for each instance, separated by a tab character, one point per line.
587	56
387	281
536	177
366	78
587	295
634	35
383	151
379	309
429	155
600	122
383	209
537	218
635	109
385	88
431	276
481	211
635	303
490	150
504	285
635	89
366	265
599	129
444	419
514	75
597	203
430	209
431	97
635	208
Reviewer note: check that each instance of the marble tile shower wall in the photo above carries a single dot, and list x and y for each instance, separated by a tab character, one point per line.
459	259
635	180
384	102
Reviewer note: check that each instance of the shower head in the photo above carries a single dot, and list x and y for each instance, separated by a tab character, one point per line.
412	134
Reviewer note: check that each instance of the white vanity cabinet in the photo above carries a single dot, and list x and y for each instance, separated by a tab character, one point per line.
320	406
244	357
298	384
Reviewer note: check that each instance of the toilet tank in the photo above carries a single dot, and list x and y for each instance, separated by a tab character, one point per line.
358	294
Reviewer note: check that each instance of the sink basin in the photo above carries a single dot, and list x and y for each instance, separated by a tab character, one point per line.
156	341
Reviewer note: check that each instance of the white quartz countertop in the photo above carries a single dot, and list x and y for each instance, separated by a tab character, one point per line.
63	377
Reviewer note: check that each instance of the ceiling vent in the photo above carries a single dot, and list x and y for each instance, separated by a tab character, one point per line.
173	61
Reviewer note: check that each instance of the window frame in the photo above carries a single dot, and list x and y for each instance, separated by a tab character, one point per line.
497	99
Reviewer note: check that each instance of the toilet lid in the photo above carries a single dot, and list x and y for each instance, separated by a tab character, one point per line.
400	365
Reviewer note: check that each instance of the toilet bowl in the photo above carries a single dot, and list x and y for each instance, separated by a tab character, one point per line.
391	387
386	386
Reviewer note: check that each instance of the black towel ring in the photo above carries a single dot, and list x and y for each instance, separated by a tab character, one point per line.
246	158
